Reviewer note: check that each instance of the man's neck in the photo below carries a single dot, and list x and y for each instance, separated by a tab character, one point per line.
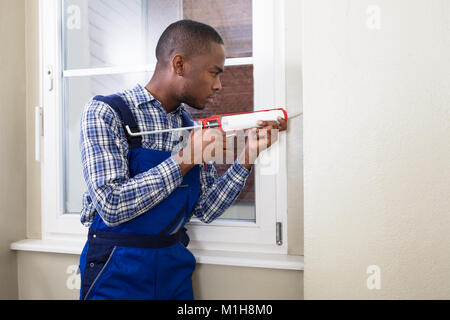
162	92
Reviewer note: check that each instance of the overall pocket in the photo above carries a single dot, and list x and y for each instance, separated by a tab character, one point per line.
97	259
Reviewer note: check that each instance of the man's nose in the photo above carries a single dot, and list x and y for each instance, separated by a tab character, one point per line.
217	84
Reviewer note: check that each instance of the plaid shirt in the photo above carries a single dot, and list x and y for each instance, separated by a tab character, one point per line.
117	197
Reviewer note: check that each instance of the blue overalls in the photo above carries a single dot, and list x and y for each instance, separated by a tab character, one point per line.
146	257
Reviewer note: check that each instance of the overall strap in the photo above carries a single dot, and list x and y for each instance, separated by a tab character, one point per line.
187	121
126	116
135	240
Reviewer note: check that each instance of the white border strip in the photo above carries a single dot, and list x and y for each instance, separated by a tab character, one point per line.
238	61
138	68
216	257
107	71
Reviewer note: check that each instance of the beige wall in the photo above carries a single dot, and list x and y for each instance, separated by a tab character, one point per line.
376	141
12	140
50	276
43	275
33	167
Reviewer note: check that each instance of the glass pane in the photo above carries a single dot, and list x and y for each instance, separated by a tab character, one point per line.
231	18
77	92
98	33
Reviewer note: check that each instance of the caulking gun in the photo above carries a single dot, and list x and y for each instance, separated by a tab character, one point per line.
229	123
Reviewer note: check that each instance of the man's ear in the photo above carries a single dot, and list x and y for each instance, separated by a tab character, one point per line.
178	64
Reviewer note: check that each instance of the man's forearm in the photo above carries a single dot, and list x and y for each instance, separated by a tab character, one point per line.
186	162
184	167
247	158
116	202
218	194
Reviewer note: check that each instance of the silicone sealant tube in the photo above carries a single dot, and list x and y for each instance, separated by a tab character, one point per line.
249	120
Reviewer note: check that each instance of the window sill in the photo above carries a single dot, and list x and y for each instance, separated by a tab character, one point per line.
237	259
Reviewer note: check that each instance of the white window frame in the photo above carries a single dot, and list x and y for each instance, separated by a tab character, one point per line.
269	92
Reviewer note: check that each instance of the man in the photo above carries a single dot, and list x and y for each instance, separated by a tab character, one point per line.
140	192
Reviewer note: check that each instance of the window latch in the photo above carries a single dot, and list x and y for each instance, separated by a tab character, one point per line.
278	234
49	79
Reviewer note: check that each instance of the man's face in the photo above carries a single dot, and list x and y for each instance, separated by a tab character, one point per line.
202	77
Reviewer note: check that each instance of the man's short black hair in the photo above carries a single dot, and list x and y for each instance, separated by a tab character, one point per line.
186	36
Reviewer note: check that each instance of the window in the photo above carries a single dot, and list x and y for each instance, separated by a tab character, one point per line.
92	47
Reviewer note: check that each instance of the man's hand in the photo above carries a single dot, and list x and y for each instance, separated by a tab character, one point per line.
203	144
260	139
201	147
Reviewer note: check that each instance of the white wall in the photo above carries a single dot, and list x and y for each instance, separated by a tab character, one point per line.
377	149
294	104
